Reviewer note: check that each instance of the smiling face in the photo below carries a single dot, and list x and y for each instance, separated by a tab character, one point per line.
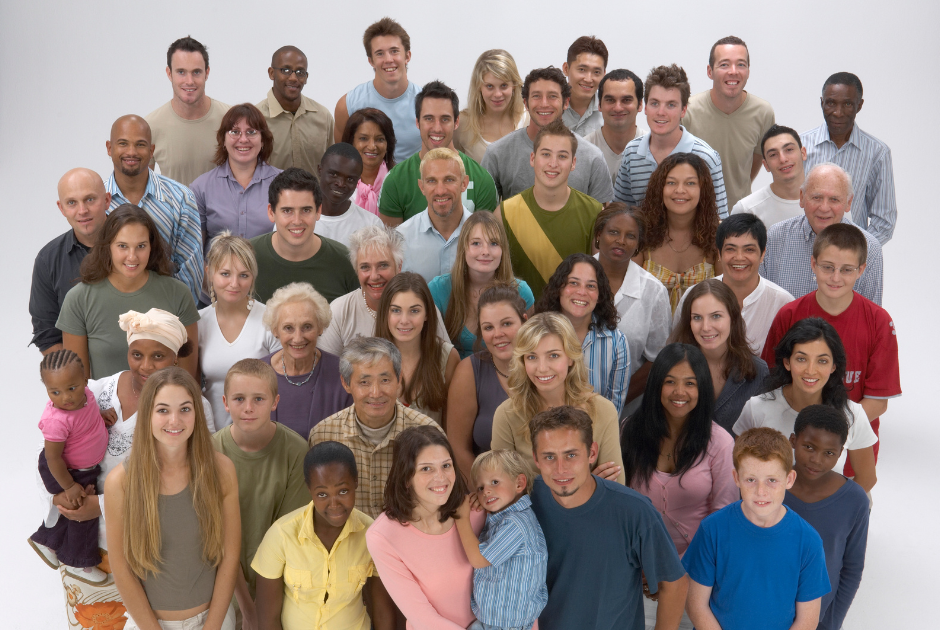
371	144
496	93
840	105
547	365
584	75
249	400
130	147
66	386
552	162
619	105
188	74
496	491
407	314
545	102
389	59
711	324
741	257
565	461
434	478
243	149
825	199
84	203
146	356
374	388
436	123
339	176
375	267
298	330
664	110
810	366
130	251
682	190
174	415
836	271
763	486
333	490
731	70
679	394
231	281
443	187
287	88
295	217
783	158
579	295
484	253
815	453
499	323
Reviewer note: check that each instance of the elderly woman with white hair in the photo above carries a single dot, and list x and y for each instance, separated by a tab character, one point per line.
377	254
309	386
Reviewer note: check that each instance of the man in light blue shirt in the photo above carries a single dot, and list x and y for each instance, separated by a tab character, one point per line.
431	236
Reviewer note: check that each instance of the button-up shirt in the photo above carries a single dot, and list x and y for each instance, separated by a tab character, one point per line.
607	358
322	587
868	161
787	261
427	252
300	138
374	461
172	207
225	205
584	124
55	271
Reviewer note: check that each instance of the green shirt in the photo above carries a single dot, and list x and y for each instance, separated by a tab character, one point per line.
270	485
402	198
547	237
329	270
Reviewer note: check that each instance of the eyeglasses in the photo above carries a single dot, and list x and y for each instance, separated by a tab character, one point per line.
286	72
236	133
828	269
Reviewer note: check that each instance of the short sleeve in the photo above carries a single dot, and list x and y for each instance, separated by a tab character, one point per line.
389	201
186	307
700	559
72	316
331	340
861	435
660	324
270	558
484	189
525	292
53	426
778	329
883	372
440	288
502	431
655	551
507	541
814	577
746	420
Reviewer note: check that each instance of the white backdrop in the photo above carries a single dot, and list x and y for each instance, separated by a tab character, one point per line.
68	69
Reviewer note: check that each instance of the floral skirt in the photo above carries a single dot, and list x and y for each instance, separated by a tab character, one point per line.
93	607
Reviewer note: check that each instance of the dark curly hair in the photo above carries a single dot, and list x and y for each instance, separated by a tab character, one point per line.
605	313
97	264
706	213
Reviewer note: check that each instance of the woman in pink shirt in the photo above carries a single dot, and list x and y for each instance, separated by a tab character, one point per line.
414	543
674	453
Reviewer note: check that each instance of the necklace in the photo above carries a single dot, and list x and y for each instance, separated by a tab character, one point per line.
505	376
678	251
368	308
316	359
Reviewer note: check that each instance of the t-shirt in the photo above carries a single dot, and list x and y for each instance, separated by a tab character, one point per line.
757	572
83	431
92	311
736	136
841	519
612	158
401	197
540	240
768	207
401	111
329	270
341	228
185	149
270	485
597	555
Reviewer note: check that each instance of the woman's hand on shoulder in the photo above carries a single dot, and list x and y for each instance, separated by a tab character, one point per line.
609	471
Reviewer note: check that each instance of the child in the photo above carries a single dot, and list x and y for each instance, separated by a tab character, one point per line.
510	558
837	507
757	559
318	554
75	443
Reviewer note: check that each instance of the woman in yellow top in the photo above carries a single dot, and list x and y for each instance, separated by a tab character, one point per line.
547	370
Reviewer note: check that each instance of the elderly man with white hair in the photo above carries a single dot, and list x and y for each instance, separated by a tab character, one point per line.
826	198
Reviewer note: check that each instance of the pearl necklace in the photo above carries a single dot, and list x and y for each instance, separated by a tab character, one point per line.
366	302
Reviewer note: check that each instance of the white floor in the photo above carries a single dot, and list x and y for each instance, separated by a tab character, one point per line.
67	70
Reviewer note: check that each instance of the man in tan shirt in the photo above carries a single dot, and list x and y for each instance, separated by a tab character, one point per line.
302	128
184	129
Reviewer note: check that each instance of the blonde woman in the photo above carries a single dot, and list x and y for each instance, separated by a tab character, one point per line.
480	262
174	528
547	370
494	105
232	327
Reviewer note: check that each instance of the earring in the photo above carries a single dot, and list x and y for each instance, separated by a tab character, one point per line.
251	303
212	294
597	244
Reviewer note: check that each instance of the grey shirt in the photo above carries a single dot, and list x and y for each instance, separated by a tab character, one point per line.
507	160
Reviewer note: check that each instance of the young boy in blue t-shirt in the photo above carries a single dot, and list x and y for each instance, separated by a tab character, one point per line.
756	563
836	507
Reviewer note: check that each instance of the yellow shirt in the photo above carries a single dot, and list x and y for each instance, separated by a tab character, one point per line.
322	588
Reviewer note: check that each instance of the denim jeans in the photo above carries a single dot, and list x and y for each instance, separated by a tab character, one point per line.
479	625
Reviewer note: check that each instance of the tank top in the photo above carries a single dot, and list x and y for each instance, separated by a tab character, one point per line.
400	110
185	580
677	283
490	395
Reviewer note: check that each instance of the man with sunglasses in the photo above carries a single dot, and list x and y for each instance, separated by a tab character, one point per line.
302	128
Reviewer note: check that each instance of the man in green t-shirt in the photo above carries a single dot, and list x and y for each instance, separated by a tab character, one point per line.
550	221
437	109
293	253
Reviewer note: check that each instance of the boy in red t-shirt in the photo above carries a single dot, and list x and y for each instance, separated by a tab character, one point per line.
872	374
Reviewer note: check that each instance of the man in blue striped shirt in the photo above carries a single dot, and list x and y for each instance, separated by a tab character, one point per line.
667	96
864	157
171	205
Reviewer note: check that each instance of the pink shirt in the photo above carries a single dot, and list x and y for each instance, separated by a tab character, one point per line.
705	488
82	430
429	577
367	195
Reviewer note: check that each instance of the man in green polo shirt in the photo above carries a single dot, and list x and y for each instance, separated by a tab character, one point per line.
436	109
550	221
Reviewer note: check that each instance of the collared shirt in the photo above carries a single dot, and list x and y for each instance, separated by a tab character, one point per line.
172	207
787	259
427	252
55	271
638	165
607	358
511	593
300	138
583	125
225	205
374	462
868	161
322	587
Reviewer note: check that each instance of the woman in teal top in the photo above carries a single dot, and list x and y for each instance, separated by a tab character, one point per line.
480	262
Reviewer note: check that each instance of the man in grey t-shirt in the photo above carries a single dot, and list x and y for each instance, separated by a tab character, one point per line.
545	94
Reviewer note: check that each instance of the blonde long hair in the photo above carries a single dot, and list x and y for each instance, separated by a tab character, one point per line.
526	400
142	535
501	65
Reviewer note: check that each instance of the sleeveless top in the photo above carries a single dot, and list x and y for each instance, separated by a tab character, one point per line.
677	283
490	395
185	580
400	110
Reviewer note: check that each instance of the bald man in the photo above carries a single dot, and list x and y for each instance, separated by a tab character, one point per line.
83	201
171	205
302	128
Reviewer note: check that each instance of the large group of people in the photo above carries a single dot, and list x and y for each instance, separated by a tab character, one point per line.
409	365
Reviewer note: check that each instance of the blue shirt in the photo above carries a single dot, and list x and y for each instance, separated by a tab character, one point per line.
607	358
441	288
597	555
427	252
757	572
511	592
400	110
172	207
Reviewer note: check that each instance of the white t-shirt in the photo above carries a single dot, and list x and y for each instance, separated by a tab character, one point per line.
612	158
768	207
341	227
216	355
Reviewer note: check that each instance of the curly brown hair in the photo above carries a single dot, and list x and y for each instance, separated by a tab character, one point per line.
605	312
706	213
97	264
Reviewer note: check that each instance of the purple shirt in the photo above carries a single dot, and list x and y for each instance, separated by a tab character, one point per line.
302	407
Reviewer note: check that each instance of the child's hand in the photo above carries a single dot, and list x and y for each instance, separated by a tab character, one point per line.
75	494
463	510
475	504
109	416
609	471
